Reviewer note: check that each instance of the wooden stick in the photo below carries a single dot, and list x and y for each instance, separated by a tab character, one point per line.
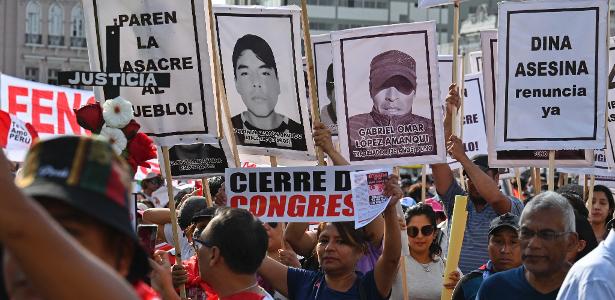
310	71
536	180
455	58
207	192
518	179
585	186
220	91
462	179
404	246
458	226
273	160
424	183
551	174
461	99
174	226
590	194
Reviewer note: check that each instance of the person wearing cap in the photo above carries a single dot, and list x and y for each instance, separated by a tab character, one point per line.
82	184
328	114
546	236
504	254
392	87
257	82
150	184
486	201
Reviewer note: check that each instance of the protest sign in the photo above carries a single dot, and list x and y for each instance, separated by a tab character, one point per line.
445	73
47	107
552	58
516	158
292	194
16	136
156	36
199	160
603	173
611	103
367	195
387	94
476	61
268	105
323	70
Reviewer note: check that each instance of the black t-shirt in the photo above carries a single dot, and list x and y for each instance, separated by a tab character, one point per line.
289	135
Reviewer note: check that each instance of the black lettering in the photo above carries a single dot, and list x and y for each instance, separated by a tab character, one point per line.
302	181
237	182
264	182
319	180
281	181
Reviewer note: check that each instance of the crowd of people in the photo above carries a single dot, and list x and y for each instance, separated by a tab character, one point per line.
70	200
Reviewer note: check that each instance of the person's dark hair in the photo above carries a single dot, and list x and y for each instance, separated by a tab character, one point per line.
215	183
180	195
259	46
586	233
609	197
158	180
330	81
349	235
241	238
426	210
574	194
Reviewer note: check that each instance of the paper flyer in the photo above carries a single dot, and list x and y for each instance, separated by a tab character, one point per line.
367	195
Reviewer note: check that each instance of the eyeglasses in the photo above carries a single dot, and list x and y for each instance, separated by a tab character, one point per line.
198	244
545	235
413	231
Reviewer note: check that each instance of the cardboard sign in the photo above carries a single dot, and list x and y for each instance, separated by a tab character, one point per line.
476	61
47	107
516	158
292	194
387	94
325	81
157	36
199	160
268	105
600	167
552	75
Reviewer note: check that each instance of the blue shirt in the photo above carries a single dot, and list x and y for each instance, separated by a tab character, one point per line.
475	240
310	285
592	277
511	285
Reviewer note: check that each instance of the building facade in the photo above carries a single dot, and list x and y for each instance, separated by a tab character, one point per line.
39	38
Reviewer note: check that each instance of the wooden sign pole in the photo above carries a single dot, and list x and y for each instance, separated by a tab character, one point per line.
458	227
207	192
174	226
455	70
551	178
424	183
518	179
590	192
310	72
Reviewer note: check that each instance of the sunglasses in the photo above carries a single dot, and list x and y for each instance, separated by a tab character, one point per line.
198	244
426	230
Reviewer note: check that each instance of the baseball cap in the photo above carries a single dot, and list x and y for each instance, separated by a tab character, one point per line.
435	204
190	207
392	64
506	220
207	212
87	175
407	201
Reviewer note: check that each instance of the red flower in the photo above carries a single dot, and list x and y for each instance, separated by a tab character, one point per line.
140	149
131	129
90	117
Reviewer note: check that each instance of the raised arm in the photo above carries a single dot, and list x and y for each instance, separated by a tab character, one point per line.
486	186
276	274
386	266
442	173
302	241
322	139
26	229
158	216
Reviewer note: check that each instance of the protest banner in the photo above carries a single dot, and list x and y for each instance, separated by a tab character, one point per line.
516	158
367	194
552	75
199	160
47	107
387	97
293	194
476	61
323	70
156	36
269	107
16	136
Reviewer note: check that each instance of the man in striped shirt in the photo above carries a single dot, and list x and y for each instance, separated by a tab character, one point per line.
486	199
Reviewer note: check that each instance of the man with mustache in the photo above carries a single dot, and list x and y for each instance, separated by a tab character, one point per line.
392	87
256	80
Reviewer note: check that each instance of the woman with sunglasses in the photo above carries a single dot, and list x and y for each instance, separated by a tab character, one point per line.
424	265
339	248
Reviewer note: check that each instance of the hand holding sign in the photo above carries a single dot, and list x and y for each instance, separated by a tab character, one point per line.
452	106
372	192
456	149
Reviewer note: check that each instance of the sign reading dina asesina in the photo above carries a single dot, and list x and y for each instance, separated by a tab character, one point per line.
552	58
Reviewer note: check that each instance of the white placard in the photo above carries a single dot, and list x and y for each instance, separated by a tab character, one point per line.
516	158
387	94
476	61
323	70
445	73
158	36
265	90
367	195
552	57
611	103
600	167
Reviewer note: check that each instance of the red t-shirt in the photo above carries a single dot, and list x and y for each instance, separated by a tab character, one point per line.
196	288
145	292
248	296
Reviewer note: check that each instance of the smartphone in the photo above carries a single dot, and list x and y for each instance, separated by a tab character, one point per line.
147	236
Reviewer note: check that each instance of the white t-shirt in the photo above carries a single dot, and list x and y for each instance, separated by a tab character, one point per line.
187	250
422	284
